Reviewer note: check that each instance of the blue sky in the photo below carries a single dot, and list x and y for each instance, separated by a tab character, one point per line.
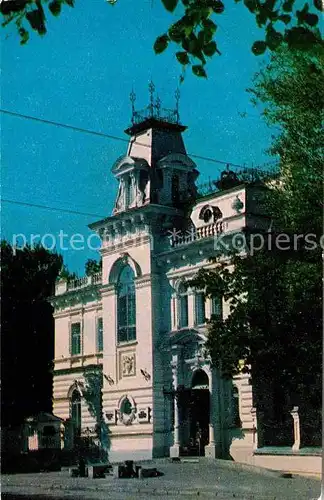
81	73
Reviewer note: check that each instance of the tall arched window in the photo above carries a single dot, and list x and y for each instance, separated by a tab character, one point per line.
76	412
126	306
182	306
128	191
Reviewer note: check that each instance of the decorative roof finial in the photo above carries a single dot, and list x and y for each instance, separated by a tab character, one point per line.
177	97
151	91
158	106
132	97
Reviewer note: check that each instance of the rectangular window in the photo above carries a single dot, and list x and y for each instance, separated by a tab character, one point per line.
99	335
217	306
200	317
75	339
183	313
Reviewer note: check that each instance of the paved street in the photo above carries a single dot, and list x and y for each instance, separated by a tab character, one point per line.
207	479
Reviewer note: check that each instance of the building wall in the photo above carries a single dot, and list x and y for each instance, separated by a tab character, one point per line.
132	385
157	277
67	367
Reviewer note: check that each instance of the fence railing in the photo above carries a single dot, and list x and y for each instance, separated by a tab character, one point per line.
94	279
194	234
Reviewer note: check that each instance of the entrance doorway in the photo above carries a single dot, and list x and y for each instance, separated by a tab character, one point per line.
199	410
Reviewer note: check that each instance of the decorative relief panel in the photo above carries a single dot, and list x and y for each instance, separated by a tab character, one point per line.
127	364
111	417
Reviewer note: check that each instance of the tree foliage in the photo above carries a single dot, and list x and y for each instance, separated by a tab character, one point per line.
291	90
275	321
92	266
194	32
93	397
67	275
27	330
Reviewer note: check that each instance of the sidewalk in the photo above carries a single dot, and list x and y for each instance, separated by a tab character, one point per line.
207	479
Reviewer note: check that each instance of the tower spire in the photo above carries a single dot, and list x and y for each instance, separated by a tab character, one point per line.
132	97
154	111
177	98
151	88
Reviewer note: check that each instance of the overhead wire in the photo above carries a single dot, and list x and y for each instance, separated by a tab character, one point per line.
108	136
54	209
91	132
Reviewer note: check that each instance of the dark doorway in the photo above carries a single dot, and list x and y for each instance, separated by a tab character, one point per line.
199	421
199	410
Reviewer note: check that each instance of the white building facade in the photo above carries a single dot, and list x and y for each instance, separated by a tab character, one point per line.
139	327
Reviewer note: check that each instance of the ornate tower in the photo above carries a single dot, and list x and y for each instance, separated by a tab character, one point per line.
156	186
156	169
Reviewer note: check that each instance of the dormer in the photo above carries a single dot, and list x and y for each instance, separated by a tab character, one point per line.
134	183
176	174
210	213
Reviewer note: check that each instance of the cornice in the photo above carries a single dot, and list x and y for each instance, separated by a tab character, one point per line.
78	369
145	280
78	308
78	296
108	289
133	242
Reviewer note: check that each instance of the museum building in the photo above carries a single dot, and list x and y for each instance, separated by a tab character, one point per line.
136	327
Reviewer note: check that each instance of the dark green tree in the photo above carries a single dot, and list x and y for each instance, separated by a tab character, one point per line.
92	266
65	274
275	295
27	331
195	27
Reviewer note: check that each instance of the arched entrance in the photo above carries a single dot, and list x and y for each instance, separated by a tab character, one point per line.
199	412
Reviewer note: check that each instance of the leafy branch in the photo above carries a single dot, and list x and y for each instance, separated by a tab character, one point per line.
194	31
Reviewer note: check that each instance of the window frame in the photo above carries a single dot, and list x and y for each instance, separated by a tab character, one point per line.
175	188
128	191
236	421
130	309
196	313
72	339
219	314
182	296
99	335
76	405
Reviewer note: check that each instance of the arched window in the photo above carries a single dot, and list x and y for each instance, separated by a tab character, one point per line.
126	306
128	192
182	306
76	412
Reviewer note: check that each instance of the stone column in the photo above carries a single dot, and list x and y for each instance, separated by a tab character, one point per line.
210	449
175	448
295	416
62	436
255	428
